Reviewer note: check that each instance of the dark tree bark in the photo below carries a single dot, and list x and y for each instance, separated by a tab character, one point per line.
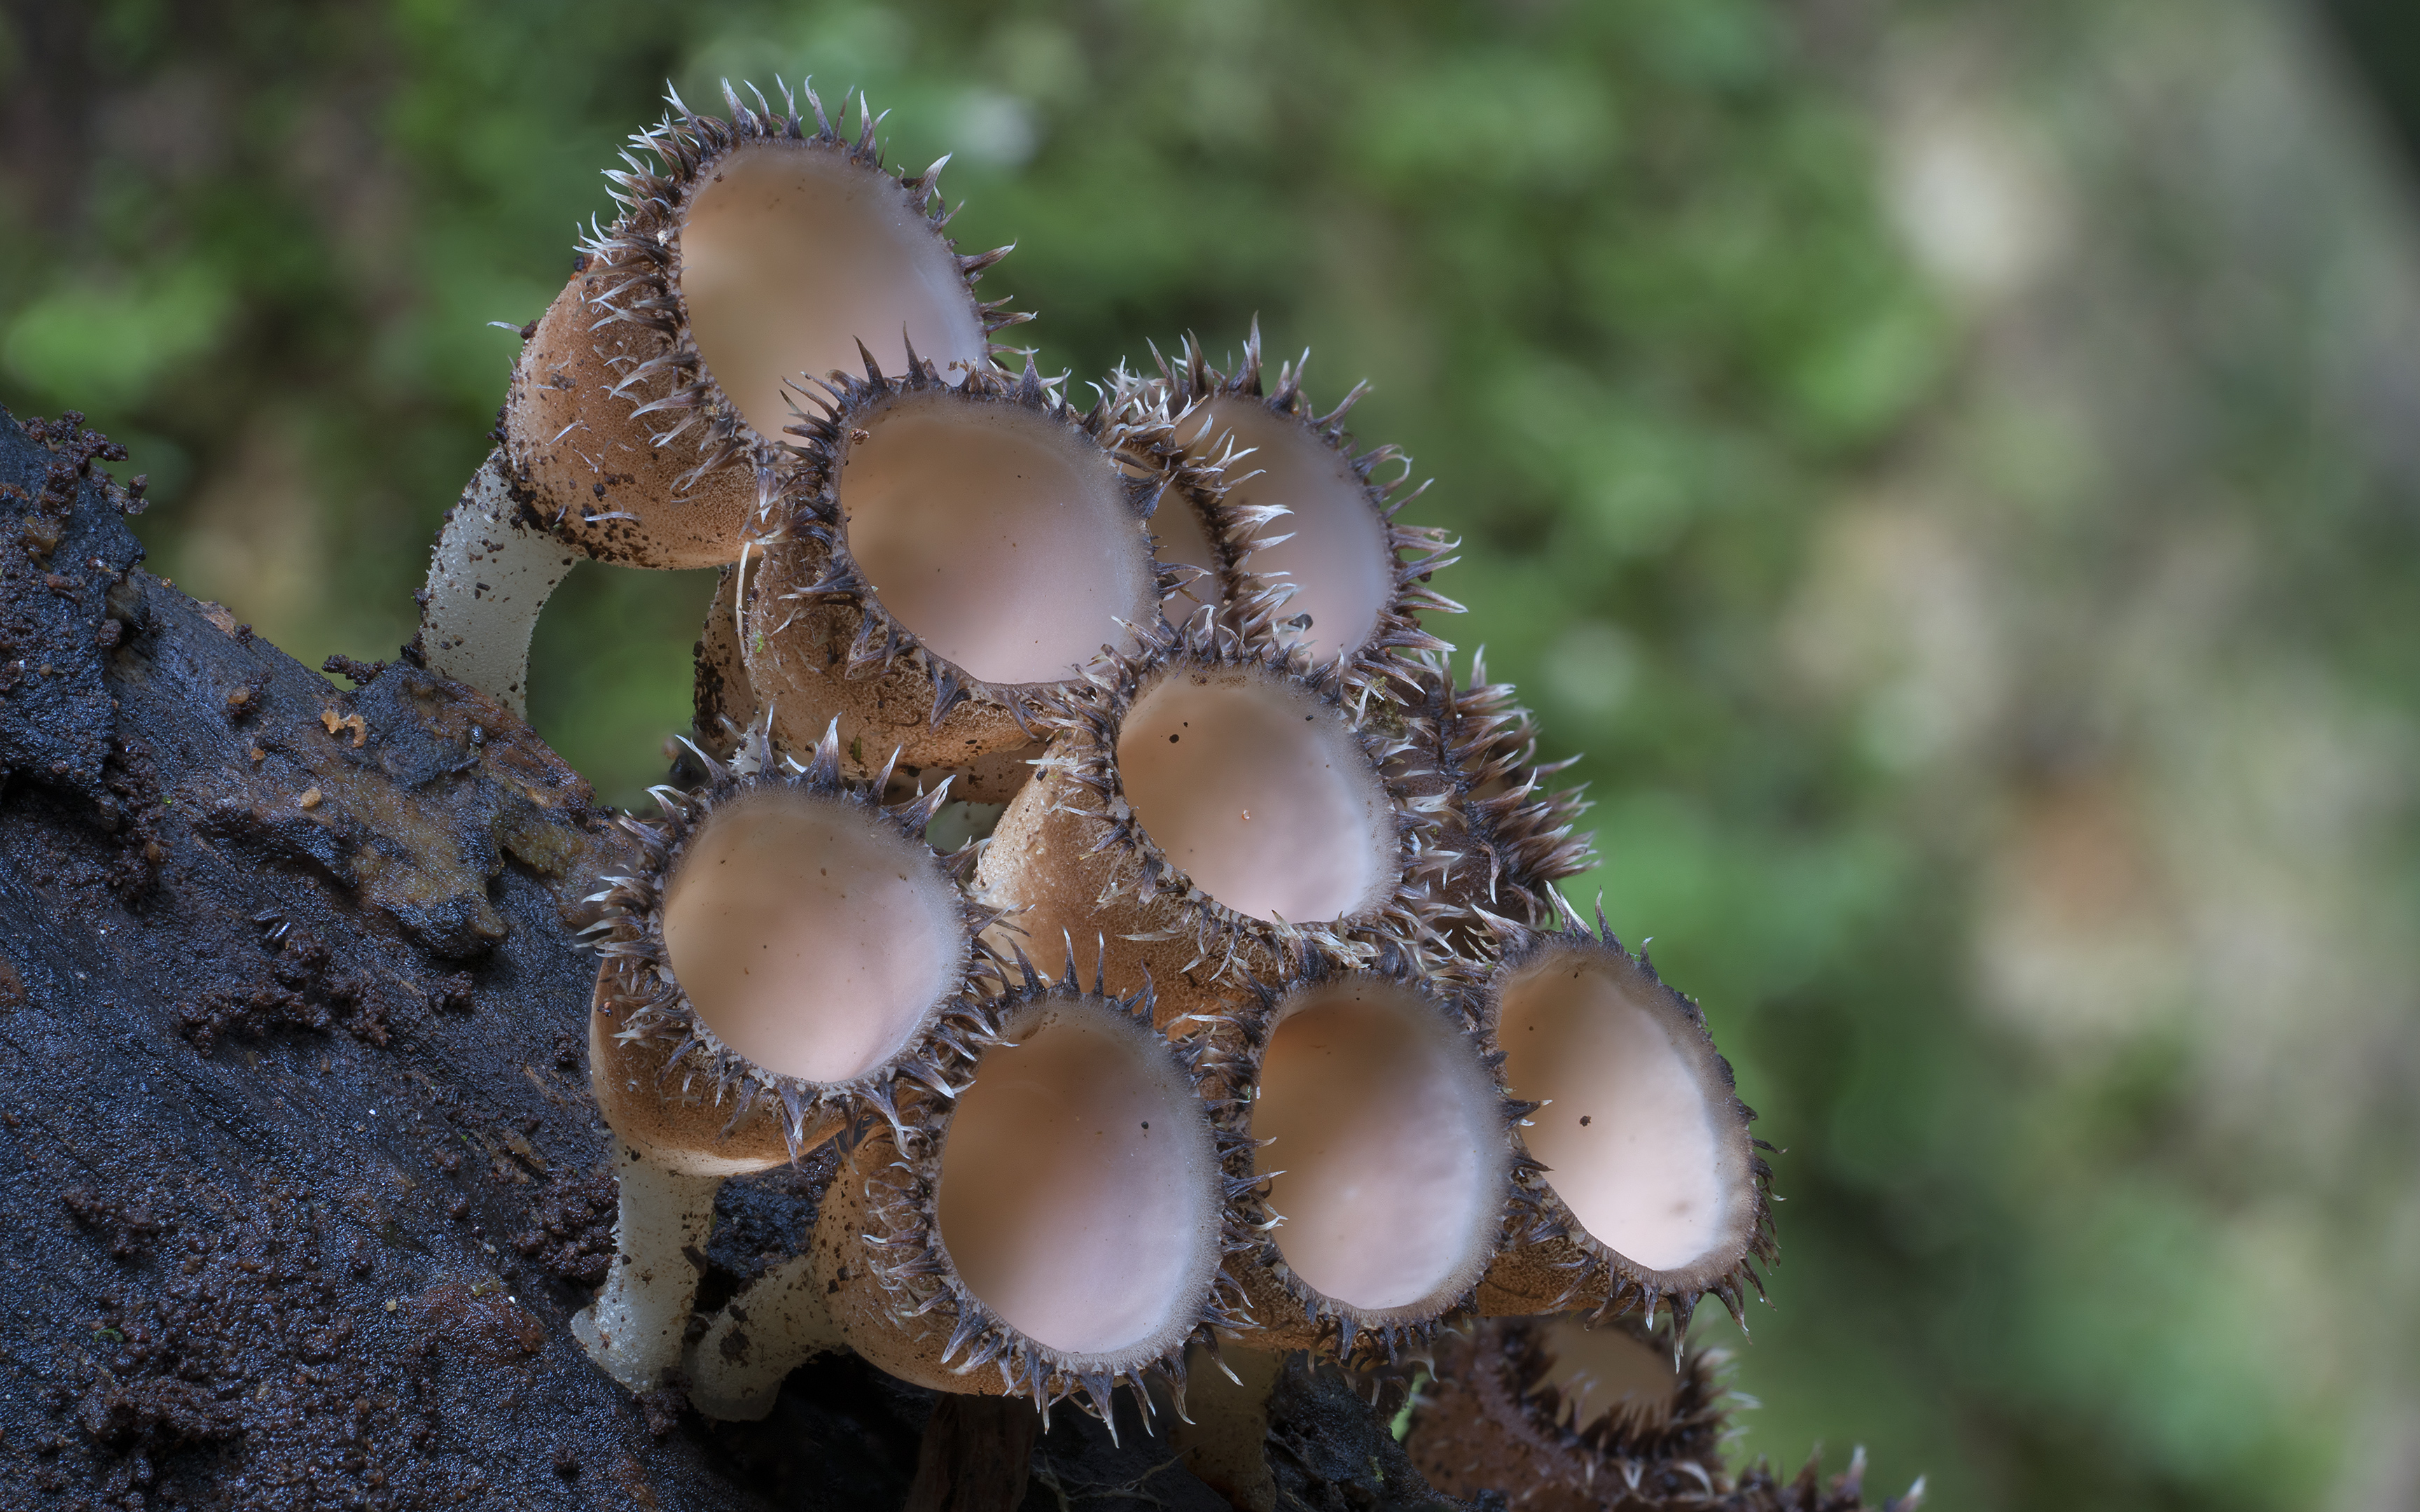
300	1177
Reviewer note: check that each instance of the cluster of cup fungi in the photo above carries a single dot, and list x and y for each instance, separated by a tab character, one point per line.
1089	833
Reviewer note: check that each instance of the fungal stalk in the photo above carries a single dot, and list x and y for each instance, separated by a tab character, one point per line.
1652	1187
1206	808
1385	1151
1058	1228
1223	1439
789	952
646	409
1312	516
494	566
955	551
777	1323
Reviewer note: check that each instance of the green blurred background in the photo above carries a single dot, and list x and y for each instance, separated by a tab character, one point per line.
1954	469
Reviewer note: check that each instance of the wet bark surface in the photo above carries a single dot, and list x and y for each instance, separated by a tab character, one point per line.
299	1178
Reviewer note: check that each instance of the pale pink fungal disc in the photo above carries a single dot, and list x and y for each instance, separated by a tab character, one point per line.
1336	553
793	254
1079	1196
998	536
1260	791
809	937
1639	1135
1390	1138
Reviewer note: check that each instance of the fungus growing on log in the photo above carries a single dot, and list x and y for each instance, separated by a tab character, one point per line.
1578	1417
1205	807
644	420
1312	518
1385	1150
790	950
1652	1188
1058	1225
757	251
956	551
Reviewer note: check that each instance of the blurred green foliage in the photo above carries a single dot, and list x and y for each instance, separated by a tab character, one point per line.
1621	275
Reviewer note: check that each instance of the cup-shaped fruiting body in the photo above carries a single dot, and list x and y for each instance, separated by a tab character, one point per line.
1058	1225
954	554
788	950
1309	515
648	401
1652	1187
1476	753
1384	1152
1206	808
1571	1417
793	942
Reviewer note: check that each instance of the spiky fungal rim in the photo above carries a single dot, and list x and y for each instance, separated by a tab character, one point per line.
1595	1277
812	544
1414	553
1525	835
653	1008
643	241
907	1260
1506	1364
1084	723
1236	1045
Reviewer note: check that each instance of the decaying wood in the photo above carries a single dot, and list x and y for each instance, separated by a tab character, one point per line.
298	1168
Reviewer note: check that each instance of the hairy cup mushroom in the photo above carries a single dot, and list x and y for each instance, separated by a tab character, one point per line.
1057	1226
788	953
1203	806
956	551
757	249
1385	1150
1652	1188
644	420
1576	1417
1312	517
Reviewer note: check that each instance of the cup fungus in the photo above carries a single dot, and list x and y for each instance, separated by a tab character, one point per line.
1058	1226
1315	517
756	250
1652	1186
645	417
1258	769
1581	1419
1386	1154
788	952
1205	806
956	550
